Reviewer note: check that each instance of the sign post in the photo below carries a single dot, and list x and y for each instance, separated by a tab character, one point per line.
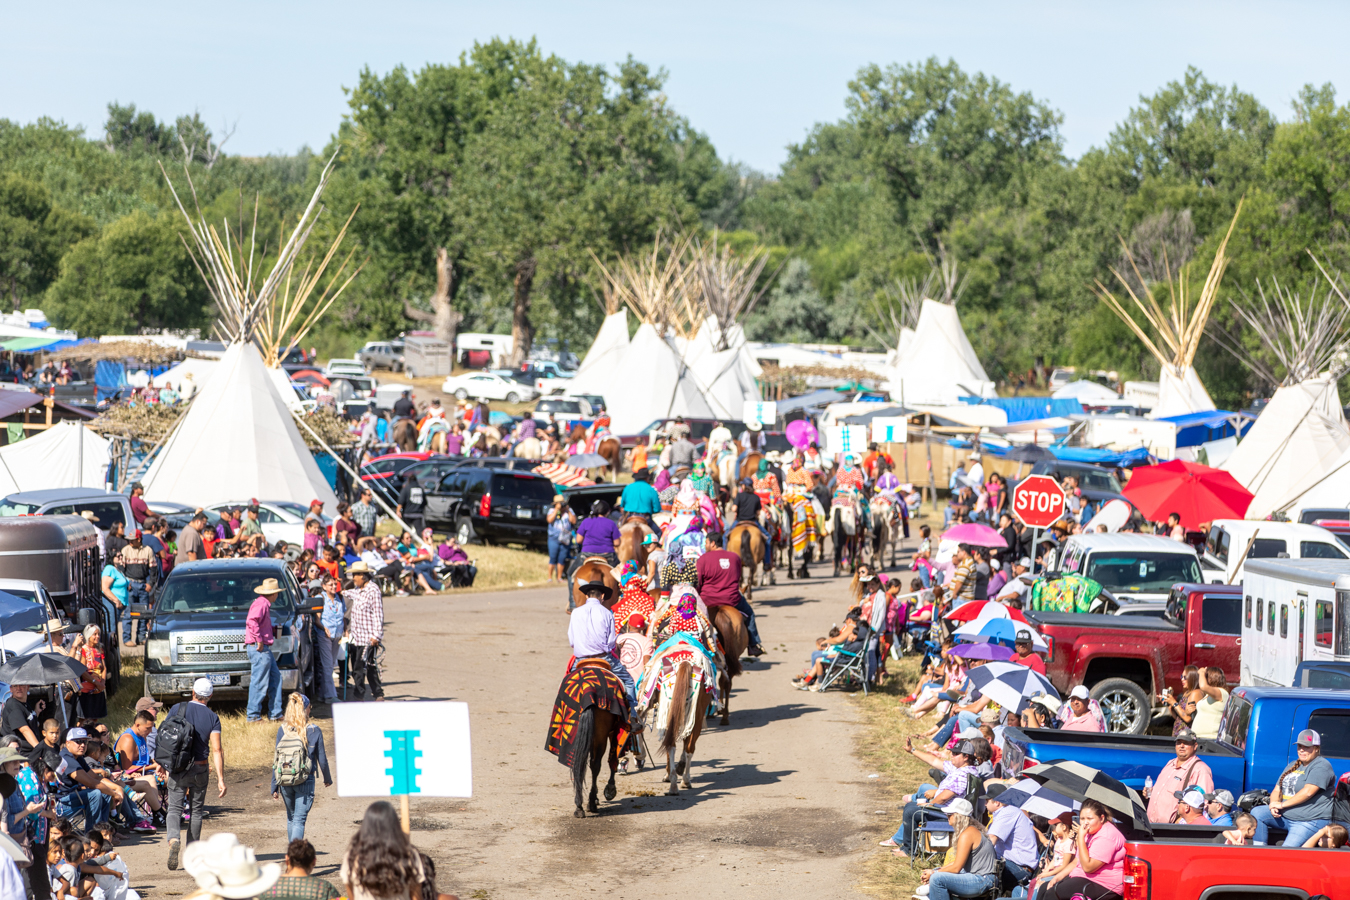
1038	501
399	749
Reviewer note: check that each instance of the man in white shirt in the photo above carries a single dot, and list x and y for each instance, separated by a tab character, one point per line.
974	476
591	632
1017	586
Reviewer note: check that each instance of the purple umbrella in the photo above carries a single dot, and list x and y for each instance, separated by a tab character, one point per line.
991	652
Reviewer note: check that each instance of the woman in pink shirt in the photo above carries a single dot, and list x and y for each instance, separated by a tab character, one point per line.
1081	715
1100	873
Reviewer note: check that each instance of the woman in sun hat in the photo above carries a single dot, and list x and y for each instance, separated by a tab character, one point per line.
223	867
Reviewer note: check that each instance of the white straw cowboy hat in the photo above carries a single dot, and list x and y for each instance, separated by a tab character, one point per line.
222	866
358	568
269	586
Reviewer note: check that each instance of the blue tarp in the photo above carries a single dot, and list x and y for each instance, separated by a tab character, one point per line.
1029	409
1125	459
1194	429
61	345
110	375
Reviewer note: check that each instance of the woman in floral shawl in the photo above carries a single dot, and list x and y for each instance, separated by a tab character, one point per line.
633	596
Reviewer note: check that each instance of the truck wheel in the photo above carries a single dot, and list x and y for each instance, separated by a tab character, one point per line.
1124	704
513	397
464	532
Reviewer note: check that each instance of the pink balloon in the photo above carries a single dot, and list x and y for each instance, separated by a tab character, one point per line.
801	434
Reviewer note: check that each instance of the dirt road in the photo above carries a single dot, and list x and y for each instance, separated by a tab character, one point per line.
779	806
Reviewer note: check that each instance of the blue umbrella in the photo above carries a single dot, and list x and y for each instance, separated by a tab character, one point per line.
991	652
1009	685
999	631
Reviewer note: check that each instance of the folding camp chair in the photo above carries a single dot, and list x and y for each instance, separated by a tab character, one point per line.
848	667
933	836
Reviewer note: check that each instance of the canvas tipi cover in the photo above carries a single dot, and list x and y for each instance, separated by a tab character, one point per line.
1298	439
652	382
67	455
725	377
593	376
1180	393
939	365
237	441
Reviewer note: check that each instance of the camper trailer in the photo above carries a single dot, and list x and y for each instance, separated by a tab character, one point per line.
1293	611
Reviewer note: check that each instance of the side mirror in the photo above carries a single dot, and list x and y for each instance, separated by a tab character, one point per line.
86	617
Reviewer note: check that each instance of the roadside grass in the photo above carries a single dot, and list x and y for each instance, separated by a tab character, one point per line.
499	567
881	747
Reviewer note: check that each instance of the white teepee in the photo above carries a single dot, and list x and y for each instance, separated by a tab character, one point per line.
652	381
1298	439
596	372
726	377
67	455
938	366
237	441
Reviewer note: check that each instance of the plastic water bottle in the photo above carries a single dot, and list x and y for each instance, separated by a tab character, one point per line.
1148	782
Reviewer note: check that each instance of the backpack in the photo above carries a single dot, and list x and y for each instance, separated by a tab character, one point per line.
290	762
173	746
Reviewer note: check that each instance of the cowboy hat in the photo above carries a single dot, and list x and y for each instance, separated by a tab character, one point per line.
269	586
221	865
358	568
89	516
596	588
753	426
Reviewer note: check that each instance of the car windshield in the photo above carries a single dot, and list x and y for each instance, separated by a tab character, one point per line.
522	487
1095	480
559	406
293	508
209	592
15	508
1142	572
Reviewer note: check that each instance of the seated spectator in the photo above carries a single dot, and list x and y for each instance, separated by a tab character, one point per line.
1081	714
1064	853
973	868
1190	807
1219	808
297	881
1025	655
1243	833
1302	798
959	771
1330	837
1185	772
1099	872
455	562
1014	838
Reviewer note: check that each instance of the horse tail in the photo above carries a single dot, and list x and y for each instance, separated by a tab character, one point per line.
679	707
729	630
581	751
746	551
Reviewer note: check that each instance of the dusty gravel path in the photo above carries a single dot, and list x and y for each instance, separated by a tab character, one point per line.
779	806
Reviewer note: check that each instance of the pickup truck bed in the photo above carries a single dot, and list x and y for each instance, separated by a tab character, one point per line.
1127	757
1098	620
1199	870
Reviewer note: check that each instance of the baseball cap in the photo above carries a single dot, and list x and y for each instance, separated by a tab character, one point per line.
1186	736
149	703
1309	738
965	748
1081	692
651	539
202	687
960	807
1221	797
77	734
994	790
637	620
136	534
1192	797
1025	562
970	733
1023	637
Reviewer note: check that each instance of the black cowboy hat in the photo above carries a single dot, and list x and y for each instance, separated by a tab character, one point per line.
596	588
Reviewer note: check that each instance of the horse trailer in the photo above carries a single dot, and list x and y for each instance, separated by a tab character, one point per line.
1293	611
426	357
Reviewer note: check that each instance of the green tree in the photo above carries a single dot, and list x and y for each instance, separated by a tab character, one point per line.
135	274
33	236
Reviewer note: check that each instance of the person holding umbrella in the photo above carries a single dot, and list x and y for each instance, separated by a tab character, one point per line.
1100	872
1025	655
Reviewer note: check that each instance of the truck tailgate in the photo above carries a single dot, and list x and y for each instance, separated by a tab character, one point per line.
1192	871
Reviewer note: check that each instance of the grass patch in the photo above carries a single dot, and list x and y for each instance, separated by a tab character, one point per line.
881	747
500	568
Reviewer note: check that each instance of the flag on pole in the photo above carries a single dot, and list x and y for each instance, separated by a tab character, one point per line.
890	430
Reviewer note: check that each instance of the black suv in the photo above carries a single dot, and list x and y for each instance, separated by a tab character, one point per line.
492	505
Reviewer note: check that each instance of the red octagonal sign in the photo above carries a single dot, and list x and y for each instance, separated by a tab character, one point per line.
1038	500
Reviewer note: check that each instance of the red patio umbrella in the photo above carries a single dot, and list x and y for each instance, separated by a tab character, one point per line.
968	612
1197	493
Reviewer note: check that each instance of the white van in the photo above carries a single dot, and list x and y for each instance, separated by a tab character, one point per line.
1133	567
1273	540
1293	611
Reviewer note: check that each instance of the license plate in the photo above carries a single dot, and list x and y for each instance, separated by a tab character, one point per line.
524	514
220	679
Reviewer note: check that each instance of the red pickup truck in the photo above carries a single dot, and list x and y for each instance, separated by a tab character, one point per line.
1125	661
1165	870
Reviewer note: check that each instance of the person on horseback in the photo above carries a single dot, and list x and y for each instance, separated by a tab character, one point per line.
599	535
748	507
719	584
700	480
718	439
591	632
641	499
404	407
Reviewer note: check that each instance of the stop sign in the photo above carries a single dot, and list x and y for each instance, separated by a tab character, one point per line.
1038	500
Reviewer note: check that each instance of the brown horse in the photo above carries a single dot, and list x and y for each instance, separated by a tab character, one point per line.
597	730
590	570
631	533
747	541
676	724
404	434
730	626
750	465
612	451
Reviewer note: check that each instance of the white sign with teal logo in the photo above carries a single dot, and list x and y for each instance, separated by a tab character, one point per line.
764	412
840	439
890	429
415	748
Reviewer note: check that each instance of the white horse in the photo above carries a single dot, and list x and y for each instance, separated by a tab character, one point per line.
530	448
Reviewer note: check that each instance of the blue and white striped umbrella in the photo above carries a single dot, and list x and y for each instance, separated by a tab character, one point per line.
1010	685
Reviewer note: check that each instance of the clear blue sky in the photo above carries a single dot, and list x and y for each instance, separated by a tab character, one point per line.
754	76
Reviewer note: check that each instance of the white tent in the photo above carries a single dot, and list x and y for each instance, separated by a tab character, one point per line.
176	375
726	377
281	380
596	370
66	455
939	365
1089	393
237	441
1298	439
1180	393
652	382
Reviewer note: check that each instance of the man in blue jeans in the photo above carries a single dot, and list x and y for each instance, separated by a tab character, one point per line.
264	686
77	788
1302	799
